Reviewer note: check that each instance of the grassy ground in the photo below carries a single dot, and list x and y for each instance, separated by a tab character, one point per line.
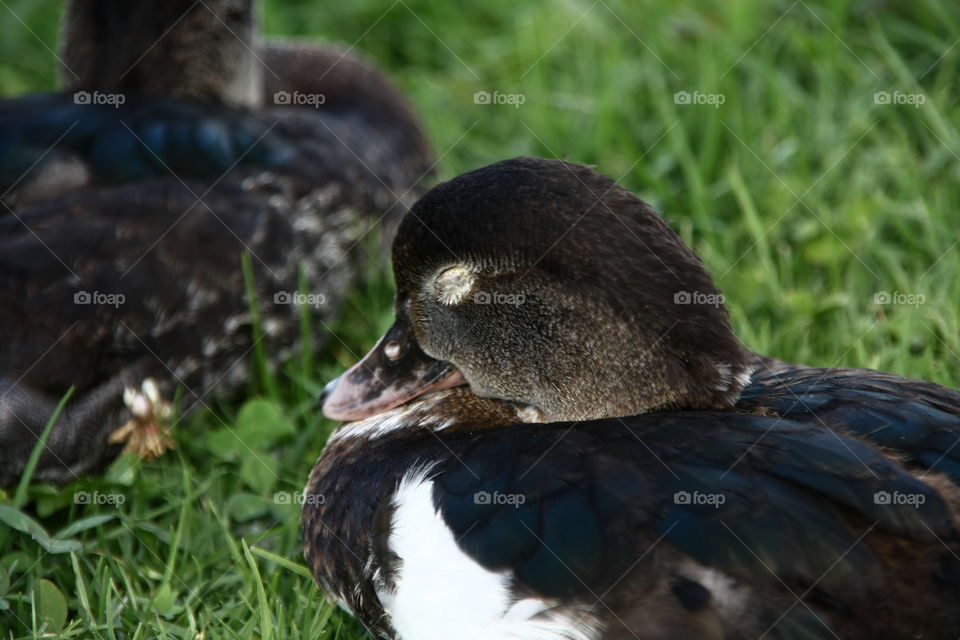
814	200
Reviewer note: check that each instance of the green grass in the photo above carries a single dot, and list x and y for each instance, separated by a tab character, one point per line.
804	196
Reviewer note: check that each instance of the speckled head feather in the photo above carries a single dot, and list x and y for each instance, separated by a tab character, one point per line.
544	282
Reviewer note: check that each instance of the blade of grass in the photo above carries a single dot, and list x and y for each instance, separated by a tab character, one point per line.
287	564
266	620
82	590
20	496
267	379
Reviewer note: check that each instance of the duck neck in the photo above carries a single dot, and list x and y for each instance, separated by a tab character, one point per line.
700	378
195	50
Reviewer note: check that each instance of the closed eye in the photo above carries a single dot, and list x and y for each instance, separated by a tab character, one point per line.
453	285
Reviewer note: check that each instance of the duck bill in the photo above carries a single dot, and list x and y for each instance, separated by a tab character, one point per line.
378	382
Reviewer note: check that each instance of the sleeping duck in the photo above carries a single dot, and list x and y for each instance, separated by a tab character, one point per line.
547	445
131	197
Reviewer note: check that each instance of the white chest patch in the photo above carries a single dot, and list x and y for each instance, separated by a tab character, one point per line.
441	593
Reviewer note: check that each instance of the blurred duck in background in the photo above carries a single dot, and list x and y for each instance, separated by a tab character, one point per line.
179	143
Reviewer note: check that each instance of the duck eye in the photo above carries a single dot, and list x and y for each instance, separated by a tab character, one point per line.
453	285
393	350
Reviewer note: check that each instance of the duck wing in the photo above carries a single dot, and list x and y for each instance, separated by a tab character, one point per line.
914	419
705	525
53	143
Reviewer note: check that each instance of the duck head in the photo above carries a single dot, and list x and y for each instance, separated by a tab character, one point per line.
182	48
543	282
